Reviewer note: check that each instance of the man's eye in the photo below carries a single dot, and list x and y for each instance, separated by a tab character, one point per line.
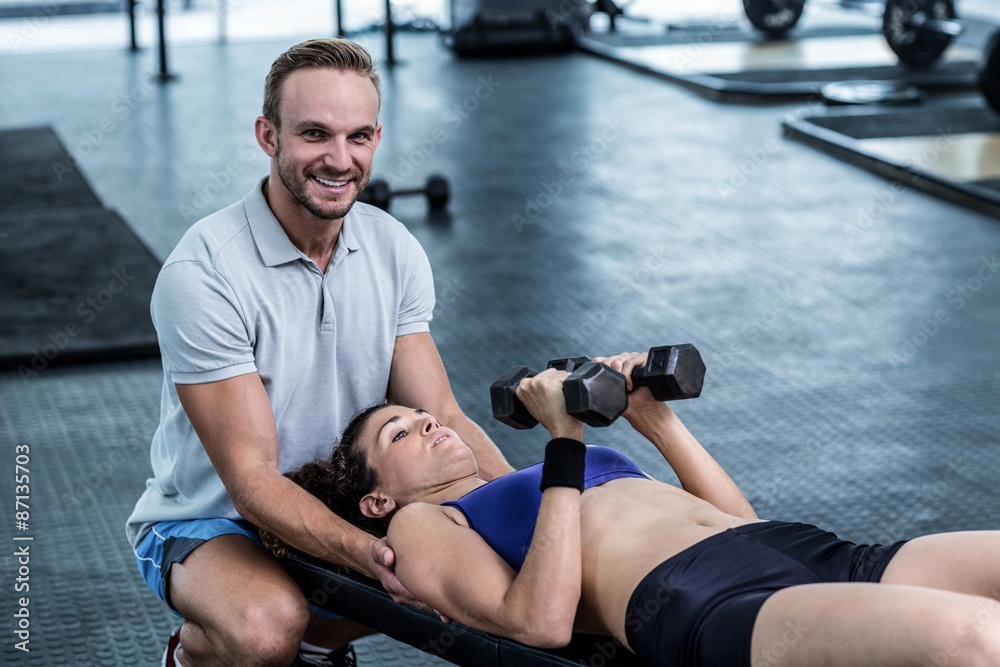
400	434
311	133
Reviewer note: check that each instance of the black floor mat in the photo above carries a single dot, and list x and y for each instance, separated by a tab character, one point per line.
950	148
36	170
75	279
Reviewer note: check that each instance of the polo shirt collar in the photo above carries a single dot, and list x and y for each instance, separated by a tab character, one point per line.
272	242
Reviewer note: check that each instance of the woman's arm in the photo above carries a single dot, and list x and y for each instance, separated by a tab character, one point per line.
452	568
699	473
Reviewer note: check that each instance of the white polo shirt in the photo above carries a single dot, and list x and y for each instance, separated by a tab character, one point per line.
235	297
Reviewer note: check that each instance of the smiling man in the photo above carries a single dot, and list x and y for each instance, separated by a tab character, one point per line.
278	318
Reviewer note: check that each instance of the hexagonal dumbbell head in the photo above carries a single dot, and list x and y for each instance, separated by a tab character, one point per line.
595	394
672	372
507	407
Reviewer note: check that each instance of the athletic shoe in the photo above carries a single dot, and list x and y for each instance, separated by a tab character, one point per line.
342	657
172	644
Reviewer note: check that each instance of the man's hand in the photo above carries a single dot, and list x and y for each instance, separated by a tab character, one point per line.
385	562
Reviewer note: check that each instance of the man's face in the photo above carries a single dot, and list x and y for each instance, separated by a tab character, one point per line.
327	139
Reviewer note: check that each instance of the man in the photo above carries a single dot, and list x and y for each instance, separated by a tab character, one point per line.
278	318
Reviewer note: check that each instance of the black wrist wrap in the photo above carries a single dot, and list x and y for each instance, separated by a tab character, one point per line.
565	464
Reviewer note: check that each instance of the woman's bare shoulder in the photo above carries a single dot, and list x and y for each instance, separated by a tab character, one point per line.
425	516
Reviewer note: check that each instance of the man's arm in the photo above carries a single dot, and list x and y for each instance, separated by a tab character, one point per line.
234	421
418	380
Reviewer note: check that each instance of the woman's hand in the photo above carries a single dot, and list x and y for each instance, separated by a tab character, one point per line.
641	404
543	396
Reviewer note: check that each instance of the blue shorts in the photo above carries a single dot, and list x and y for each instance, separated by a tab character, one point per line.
699	607
170	542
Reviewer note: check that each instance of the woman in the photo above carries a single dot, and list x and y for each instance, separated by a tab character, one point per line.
680	577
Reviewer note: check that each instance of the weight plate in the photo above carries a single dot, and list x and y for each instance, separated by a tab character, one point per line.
775	17
437	192
989	72
377	193
870	92
916	44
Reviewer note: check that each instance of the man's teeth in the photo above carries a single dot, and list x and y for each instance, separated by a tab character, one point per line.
332	184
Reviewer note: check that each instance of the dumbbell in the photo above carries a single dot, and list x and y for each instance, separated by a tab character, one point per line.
378	193
509	409
774	17
595	394
598	397
672	373
919	31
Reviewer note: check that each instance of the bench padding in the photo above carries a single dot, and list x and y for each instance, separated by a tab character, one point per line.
364	601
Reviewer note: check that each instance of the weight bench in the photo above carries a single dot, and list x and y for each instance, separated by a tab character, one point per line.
363	600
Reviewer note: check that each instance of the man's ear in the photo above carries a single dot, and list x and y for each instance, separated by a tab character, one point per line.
377	505
267	135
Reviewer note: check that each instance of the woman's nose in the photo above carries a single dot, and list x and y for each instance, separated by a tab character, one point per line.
429	424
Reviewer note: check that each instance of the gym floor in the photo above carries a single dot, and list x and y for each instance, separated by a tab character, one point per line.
849	323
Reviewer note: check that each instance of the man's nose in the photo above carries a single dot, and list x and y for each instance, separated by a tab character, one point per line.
337	157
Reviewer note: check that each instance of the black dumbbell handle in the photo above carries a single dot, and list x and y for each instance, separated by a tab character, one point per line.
568	364
409	191
417	191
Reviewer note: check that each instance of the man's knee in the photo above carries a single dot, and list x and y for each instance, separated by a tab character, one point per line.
271	630
258	633
248	610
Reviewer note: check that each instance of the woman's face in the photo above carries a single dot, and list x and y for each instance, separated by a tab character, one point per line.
413	455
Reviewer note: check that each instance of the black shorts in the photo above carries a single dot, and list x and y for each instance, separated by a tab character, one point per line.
699	607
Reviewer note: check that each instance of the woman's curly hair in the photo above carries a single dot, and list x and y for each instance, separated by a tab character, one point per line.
340	482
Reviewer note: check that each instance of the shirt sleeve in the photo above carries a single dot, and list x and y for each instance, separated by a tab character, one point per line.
202	334
416	307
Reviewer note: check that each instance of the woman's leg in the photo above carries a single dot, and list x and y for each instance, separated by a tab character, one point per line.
962	562
875	624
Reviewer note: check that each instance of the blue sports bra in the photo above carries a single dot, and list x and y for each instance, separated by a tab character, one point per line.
504	510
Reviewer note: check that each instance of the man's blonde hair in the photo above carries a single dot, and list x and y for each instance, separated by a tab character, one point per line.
338	54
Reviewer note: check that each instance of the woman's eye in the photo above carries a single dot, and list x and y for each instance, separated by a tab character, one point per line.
400	434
